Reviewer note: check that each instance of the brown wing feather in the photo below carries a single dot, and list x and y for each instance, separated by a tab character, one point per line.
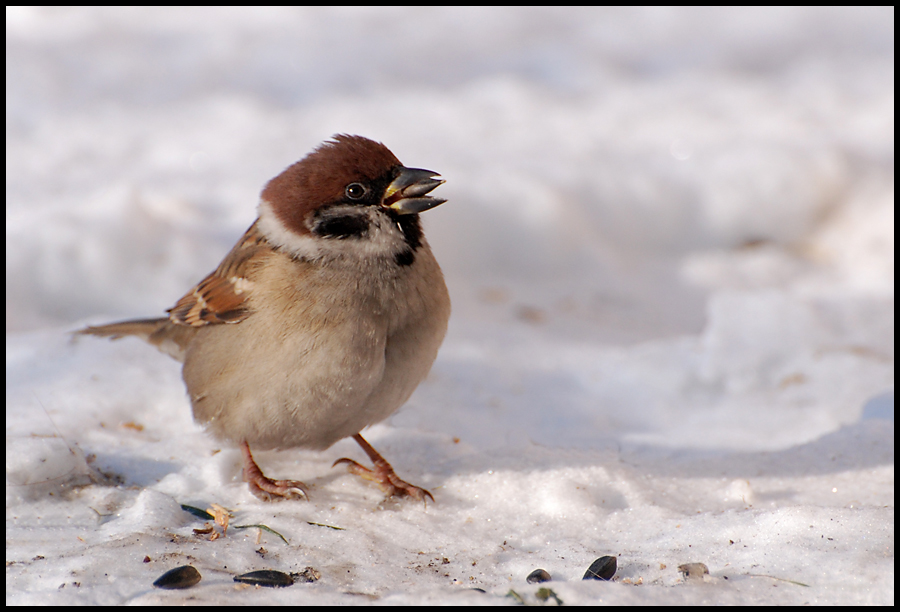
222	296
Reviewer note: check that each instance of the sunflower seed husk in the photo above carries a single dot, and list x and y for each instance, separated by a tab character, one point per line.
309	574
693	570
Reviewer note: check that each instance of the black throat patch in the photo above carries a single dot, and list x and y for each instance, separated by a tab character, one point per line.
412	232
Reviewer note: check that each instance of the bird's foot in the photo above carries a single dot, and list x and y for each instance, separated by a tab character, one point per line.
264	487
383	475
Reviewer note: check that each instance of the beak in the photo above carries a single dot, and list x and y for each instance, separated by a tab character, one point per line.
406	195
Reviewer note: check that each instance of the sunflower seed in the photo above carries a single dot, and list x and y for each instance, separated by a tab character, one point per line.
538	575
603	568
183	577
266	578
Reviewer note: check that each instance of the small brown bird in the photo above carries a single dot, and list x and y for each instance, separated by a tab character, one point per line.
323	318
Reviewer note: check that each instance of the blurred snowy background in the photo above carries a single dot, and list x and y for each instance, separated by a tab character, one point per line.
670	245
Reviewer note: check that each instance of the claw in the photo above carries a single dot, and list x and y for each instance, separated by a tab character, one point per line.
267	489
383	474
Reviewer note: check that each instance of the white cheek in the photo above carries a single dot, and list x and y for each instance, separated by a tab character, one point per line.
385	239
273	229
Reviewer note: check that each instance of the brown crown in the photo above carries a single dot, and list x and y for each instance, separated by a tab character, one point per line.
321	177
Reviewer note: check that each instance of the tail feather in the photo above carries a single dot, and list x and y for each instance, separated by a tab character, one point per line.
170	338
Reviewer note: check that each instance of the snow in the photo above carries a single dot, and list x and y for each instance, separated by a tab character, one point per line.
669	242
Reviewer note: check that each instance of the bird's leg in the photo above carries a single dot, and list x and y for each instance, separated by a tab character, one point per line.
383	474
264	487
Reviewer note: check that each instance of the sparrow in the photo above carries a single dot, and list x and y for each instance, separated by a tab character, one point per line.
323	318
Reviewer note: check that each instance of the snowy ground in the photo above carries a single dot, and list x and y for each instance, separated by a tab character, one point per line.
669	240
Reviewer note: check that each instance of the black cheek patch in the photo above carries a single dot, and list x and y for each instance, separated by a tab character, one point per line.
341	226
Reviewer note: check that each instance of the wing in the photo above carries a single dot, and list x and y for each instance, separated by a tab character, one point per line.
222	296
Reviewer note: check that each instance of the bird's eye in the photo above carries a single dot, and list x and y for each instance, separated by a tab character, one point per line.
356	191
